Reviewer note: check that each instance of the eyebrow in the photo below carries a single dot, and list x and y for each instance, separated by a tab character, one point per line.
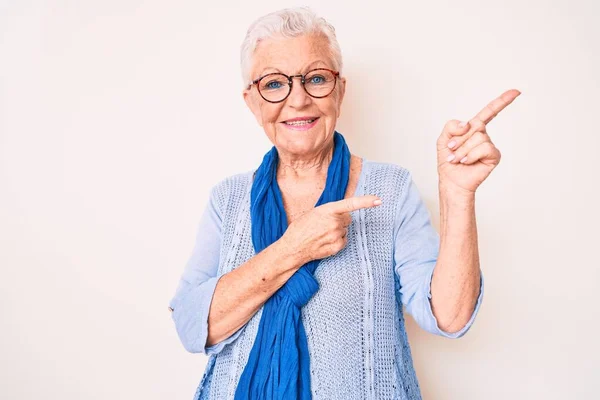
273	69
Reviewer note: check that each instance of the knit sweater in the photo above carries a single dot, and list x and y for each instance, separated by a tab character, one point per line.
355	322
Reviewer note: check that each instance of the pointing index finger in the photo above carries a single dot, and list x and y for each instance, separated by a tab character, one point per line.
354	203
495	106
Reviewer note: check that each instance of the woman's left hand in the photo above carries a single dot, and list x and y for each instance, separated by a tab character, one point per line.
466	155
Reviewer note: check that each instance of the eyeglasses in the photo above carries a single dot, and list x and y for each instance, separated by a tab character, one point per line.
276	87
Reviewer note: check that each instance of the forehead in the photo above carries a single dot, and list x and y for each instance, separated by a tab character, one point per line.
291	55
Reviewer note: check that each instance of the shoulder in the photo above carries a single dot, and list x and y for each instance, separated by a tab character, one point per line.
231	188
394	184
388	176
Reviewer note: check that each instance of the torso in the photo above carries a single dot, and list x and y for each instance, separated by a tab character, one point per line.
354	324
298	199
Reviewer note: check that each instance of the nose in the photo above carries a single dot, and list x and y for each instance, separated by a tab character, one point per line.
298	97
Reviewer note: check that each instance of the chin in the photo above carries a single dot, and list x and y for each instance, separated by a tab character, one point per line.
302	145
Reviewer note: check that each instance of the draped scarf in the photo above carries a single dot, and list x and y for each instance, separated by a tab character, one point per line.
278	366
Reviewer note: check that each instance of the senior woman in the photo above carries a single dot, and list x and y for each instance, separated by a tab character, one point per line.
301	266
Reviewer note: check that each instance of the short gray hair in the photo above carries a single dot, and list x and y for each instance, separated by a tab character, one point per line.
289	22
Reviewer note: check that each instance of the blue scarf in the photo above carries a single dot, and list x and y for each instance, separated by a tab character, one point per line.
278	364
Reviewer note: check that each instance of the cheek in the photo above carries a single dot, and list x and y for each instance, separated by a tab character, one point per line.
270	113
333	109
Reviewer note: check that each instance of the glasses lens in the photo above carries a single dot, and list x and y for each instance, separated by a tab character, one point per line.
274	87
319	83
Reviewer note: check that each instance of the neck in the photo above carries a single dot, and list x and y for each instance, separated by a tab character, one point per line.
301	168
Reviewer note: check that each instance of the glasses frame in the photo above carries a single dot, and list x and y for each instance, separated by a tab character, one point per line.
290	79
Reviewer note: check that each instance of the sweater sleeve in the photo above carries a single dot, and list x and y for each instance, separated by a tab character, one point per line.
191	303
416	249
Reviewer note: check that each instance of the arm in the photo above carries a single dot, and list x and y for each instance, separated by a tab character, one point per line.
455	286
416	250
465	158
242	292
210	311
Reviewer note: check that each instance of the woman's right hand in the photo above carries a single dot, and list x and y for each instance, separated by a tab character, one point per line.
322	231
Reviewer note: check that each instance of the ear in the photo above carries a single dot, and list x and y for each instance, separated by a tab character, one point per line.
252	104
341	93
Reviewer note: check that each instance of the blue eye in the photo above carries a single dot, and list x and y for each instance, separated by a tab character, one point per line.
273	85
317	79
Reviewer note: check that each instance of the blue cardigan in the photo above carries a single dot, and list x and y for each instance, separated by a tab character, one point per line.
355	322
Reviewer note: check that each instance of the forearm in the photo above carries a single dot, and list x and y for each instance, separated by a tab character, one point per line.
455	282
240	293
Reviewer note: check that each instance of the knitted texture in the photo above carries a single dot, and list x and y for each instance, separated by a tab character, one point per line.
354	323
278	367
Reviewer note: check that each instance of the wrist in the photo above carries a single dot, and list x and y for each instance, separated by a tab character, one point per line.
455	195
290	252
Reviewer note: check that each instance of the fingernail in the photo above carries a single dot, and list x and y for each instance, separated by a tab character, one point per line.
463	160
450	157
452	144
377	202
462	124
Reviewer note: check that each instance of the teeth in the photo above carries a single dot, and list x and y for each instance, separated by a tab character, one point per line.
305	122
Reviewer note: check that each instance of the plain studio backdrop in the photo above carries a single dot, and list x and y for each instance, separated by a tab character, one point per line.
117	117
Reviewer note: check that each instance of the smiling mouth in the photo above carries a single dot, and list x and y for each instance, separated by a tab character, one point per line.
301	122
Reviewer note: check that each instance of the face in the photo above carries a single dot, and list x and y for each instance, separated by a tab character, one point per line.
293	56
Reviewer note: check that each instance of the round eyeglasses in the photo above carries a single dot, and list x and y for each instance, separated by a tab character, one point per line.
276	87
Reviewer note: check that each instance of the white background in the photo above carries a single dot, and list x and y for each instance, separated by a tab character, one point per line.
116	118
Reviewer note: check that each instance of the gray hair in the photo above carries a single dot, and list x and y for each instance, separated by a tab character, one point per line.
289	23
